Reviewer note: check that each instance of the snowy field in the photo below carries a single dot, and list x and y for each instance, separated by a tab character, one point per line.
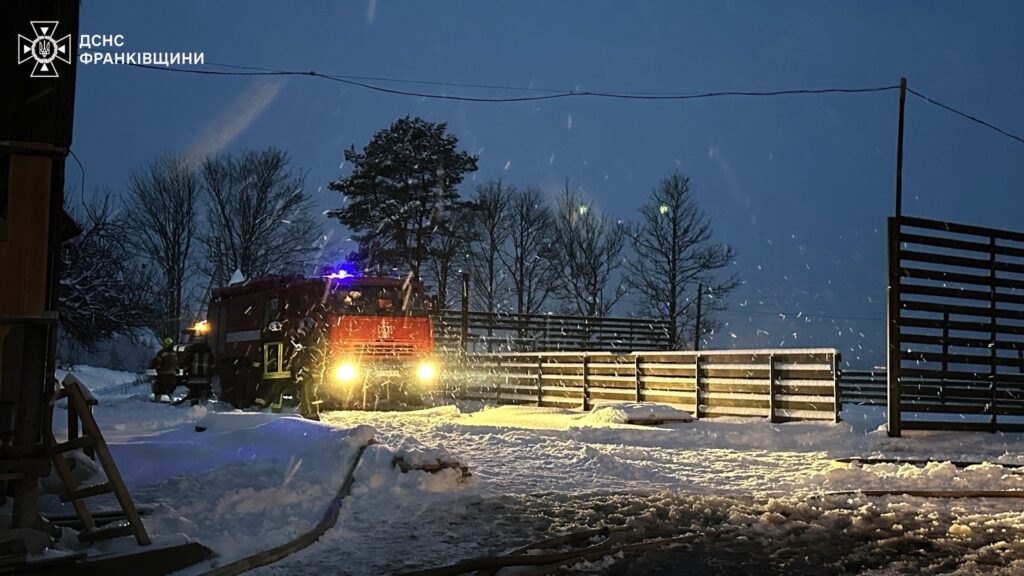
761	495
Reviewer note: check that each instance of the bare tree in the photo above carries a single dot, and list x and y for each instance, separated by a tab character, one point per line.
674	253
449	249
162	213
587	249
104	291
491	203
258	218
526	257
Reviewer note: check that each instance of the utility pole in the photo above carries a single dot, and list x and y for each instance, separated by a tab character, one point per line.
696	326
893	394
899	150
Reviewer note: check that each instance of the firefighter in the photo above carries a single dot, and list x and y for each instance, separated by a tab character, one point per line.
270	391
166	364
307	365
198	359
354	302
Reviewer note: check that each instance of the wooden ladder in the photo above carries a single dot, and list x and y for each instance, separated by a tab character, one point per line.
79	410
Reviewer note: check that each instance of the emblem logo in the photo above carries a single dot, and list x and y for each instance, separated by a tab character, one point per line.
44	49
386	331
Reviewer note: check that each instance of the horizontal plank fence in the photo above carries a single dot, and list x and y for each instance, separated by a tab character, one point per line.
869	387
956	327
866	387
511	332
781	385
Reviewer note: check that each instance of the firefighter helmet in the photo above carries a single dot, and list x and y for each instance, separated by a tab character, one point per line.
306	325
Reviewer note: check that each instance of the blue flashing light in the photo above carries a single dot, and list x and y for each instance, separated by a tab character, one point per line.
341	271
339	275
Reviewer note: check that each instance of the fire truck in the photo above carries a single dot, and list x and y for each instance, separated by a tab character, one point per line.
377	332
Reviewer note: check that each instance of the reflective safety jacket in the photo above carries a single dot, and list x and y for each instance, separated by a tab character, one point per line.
167	362
198	360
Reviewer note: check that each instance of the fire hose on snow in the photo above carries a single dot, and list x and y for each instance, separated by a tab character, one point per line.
610	545
329	519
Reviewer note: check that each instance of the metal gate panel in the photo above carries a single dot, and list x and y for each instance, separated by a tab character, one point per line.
955	327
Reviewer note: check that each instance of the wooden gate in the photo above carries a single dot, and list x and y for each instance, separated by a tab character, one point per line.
955	327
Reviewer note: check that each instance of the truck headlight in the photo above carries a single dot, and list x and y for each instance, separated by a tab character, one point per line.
345	372
425	371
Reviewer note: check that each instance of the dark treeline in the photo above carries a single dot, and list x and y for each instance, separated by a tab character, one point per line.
527	252
151	253
149	256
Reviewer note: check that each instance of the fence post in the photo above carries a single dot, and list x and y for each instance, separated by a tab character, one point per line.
893	392
491	316
836	401
771	389
544	336
498	381
586	383
696	326
540	380
638	374
993	371
945	352
696	386
465	313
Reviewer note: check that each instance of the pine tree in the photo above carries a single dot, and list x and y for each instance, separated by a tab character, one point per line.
400	185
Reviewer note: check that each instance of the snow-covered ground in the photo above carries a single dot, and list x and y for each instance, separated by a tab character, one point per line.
760	492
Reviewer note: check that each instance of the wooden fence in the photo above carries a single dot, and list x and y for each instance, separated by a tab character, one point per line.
510	332
782	385
867	387
956	327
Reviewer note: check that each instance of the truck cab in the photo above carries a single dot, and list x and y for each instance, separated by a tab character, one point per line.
378	336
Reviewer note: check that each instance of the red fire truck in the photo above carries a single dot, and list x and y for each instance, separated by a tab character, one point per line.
380	339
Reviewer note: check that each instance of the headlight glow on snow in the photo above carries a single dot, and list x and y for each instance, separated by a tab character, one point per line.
345	372
425	371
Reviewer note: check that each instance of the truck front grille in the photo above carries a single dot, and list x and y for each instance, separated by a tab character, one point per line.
385	349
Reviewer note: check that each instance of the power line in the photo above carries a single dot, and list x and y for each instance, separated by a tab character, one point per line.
410	81
565	91
82	168
966	115
506	99
551	93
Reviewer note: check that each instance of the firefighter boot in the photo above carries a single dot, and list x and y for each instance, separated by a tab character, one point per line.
309	408
278	404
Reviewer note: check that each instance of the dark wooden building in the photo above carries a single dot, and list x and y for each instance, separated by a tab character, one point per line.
36	113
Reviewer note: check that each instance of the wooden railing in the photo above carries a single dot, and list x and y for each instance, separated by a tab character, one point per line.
956	327
782	385
510	332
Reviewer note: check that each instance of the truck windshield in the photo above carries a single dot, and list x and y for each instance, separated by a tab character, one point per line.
378	301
